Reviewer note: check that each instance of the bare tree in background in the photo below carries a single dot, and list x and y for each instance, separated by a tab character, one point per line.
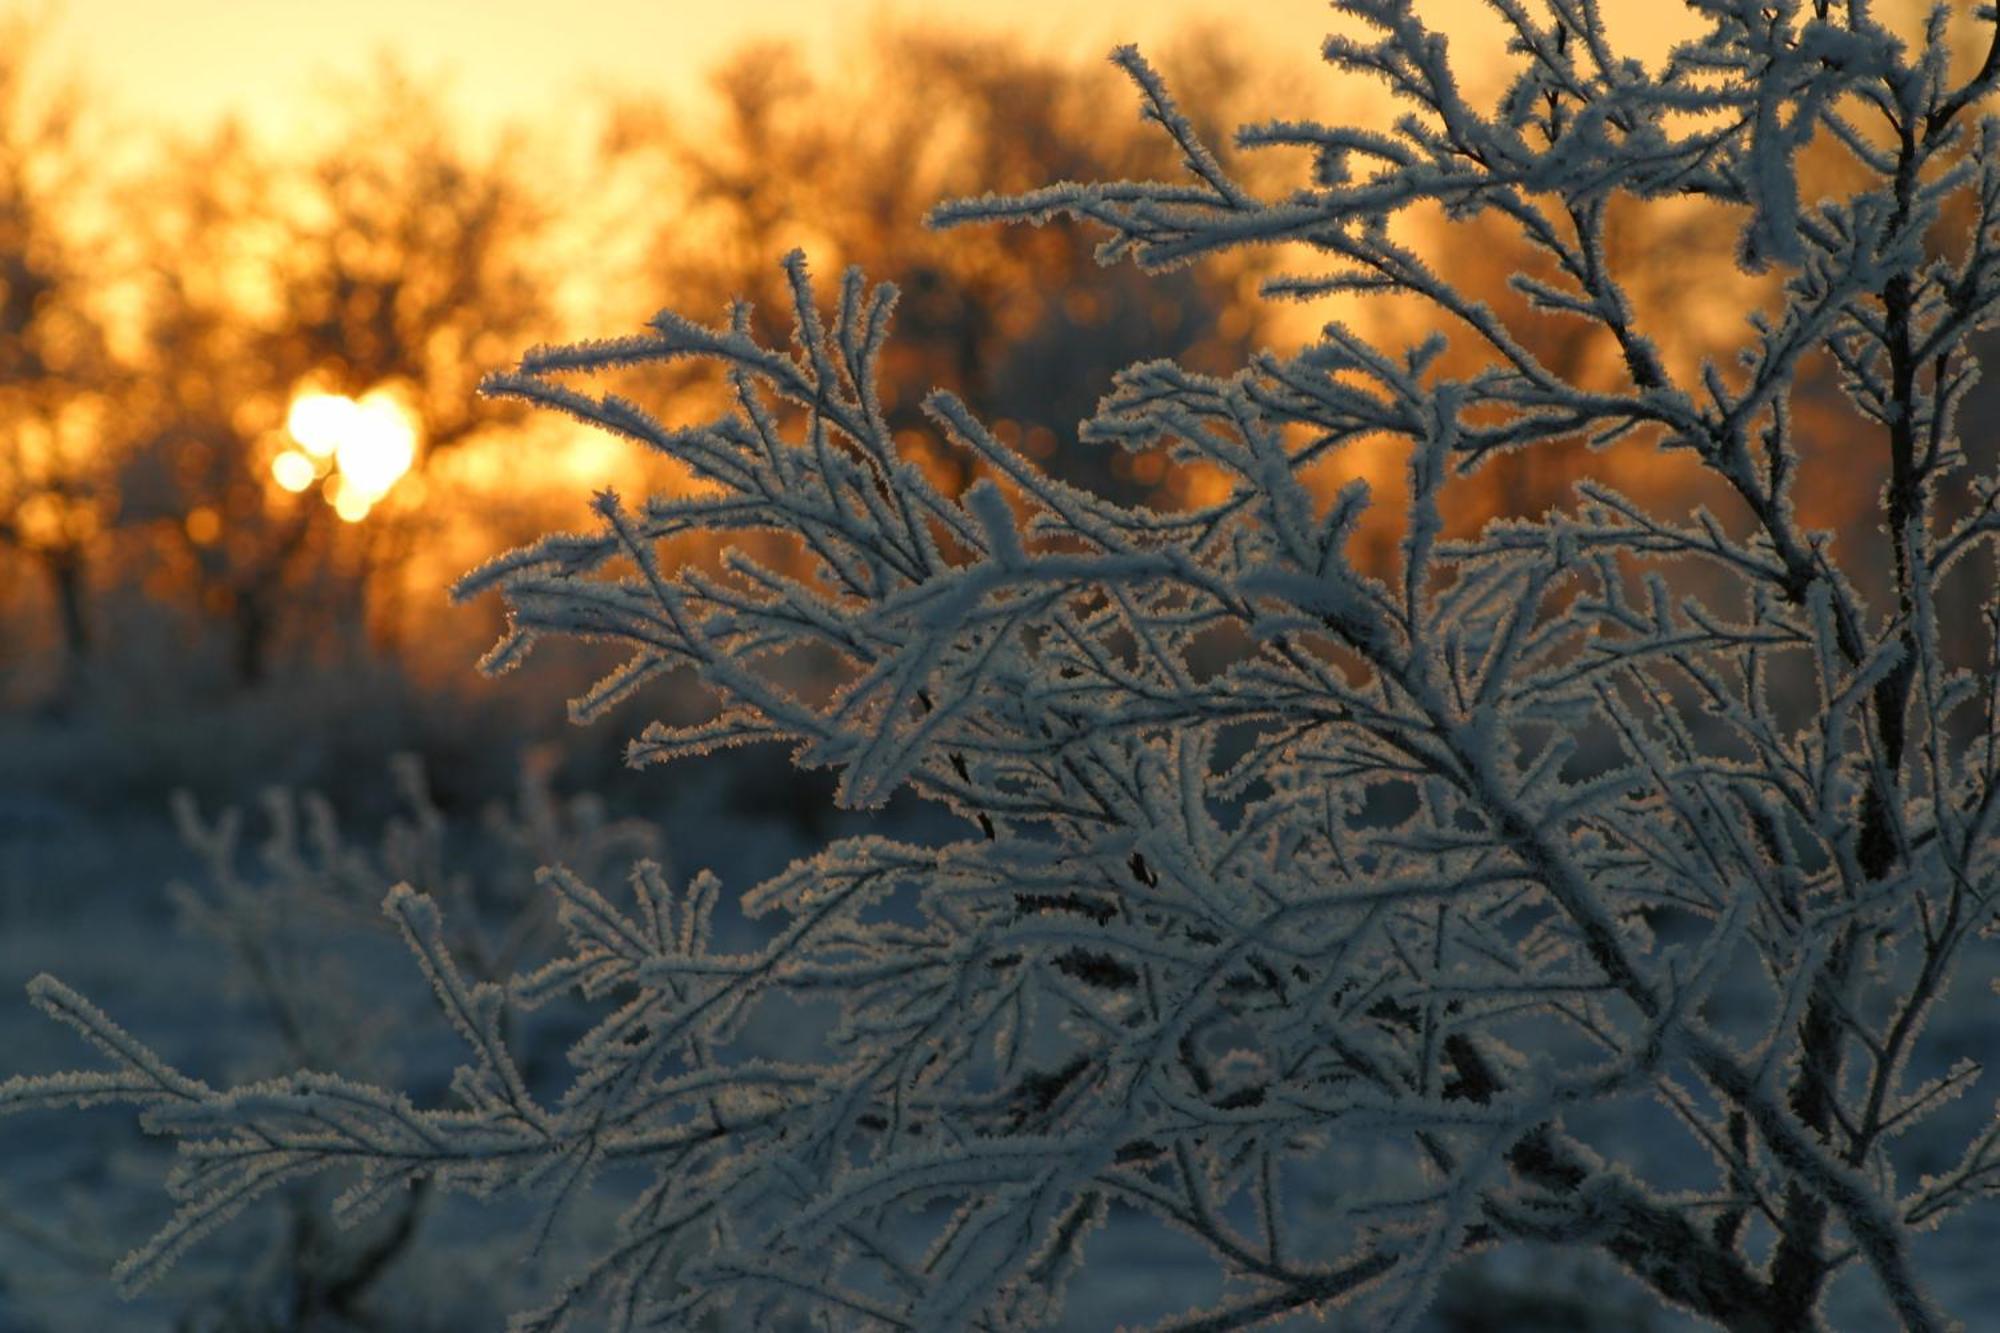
1023	324
56	373
392	258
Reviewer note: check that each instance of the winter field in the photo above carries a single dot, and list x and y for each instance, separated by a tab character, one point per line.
87	895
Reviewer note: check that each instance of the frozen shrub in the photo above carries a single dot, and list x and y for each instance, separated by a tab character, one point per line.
290	941
1275	875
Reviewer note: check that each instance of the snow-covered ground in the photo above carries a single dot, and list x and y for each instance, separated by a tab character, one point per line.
85	898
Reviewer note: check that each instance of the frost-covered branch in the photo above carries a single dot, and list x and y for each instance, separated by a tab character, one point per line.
1271	869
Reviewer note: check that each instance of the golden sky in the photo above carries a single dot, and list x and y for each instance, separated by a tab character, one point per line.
181	62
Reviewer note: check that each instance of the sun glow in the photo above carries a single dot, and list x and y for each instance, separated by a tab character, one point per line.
360	446
319	421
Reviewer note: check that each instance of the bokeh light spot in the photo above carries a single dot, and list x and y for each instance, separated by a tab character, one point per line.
290	469
204	525
352	505
320	421
378	447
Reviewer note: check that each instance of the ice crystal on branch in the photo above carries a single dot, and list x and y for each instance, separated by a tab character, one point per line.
1326	917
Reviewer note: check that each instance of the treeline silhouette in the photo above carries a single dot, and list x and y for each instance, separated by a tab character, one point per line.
163	313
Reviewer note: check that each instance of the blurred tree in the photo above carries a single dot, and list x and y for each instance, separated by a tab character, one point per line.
391	266
849	169
55	371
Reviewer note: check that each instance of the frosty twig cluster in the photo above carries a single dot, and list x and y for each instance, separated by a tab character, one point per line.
1304	911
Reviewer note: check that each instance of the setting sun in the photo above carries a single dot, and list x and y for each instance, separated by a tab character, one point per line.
369	442
319	421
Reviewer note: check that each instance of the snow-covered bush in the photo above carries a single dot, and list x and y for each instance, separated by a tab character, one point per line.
291	952
1348	925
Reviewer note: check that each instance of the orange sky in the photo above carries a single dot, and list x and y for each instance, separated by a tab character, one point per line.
181	62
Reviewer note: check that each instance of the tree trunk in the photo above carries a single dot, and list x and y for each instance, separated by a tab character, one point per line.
69	583
252	627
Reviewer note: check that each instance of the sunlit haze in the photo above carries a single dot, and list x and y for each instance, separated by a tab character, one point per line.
189	61
294	319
